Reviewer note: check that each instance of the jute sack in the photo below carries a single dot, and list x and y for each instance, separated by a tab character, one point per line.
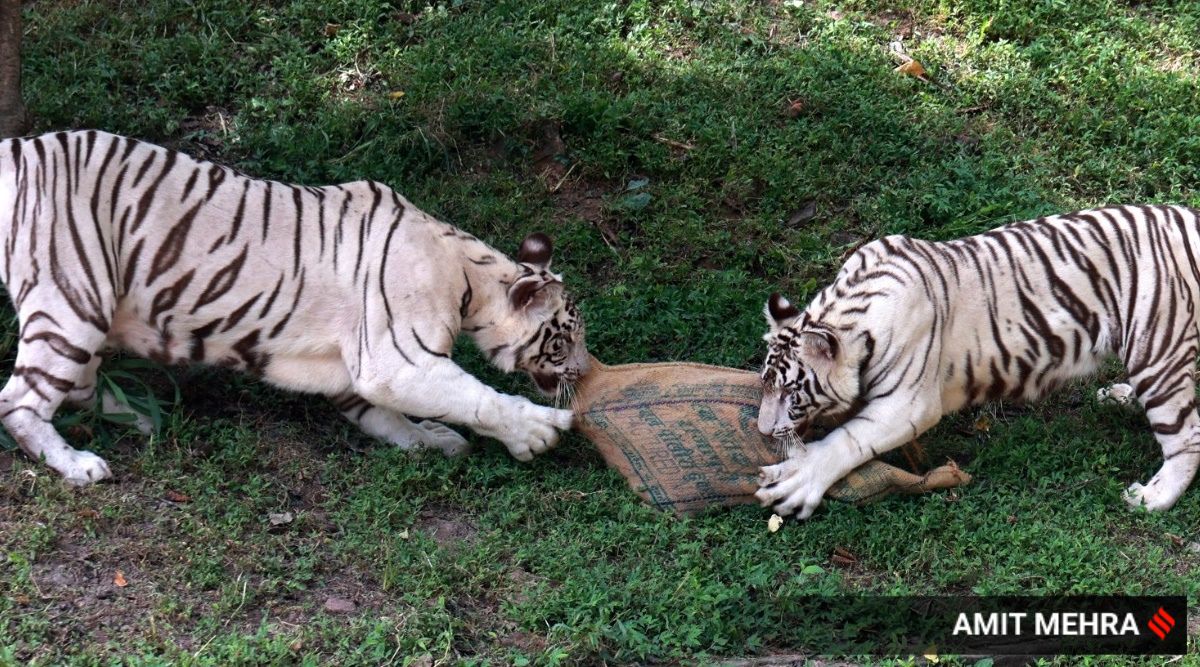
684	436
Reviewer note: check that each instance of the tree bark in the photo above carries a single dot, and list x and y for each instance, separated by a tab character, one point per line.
13	119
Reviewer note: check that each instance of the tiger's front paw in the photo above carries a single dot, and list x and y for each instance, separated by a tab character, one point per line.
798	484
535	430
83	468
1153	497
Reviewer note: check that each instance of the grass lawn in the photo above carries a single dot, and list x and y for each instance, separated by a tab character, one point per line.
688	157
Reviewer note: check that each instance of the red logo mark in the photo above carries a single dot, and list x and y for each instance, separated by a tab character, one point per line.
1161	623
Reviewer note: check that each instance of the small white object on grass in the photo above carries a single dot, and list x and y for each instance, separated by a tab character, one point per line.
1120	394
774	522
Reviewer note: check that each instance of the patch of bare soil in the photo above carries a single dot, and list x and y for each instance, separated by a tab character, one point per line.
124	564
486	624
574	195
449	527
204	134
584	199
93	596
550	159
904	24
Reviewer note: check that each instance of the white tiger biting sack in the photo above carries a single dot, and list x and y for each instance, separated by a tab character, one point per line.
911	330
347	290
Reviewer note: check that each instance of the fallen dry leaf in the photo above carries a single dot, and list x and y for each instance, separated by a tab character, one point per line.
794	108
177	497
280	518
774	523
913	68
843	556
396	95
87	513
119	580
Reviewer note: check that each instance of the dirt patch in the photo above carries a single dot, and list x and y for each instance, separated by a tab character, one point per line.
92	596
204	135
447	526
521	585
137	562
904	25
550	158
524	641
583	199
587	199
348	584
573	194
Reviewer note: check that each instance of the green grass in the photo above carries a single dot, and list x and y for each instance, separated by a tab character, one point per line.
1033	106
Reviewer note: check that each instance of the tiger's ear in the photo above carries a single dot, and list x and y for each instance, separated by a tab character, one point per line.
778	311
536	250
537	294
818	349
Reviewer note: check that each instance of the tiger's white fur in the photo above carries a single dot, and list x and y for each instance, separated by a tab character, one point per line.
346	290
911	330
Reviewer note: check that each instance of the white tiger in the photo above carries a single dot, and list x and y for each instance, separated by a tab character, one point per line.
911	330
347	290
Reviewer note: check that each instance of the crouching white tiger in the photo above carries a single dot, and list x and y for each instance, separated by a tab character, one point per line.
911	330
347	290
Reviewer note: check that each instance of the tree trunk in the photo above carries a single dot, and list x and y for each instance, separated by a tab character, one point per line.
13	119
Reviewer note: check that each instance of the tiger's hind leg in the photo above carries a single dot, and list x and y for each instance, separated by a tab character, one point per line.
83	395
50	365
399	430
1170	403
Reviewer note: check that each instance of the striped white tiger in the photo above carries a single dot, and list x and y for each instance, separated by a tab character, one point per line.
911	330
347	290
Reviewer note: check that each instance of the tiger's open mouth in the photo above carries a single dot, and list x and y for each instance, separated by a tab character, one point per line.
559	386
547	383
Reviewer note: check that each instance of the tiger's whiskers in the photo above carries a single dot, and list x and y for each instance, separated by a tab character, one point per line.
789	443
564	395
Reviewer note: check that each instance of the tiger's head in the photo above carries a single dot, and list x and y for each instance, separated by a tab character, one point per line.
544	327
806	374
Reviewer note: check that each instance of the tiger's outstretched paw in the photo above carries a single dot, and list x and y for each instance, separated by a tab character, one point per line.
536	431
84	468
797	485
1150	496
440	436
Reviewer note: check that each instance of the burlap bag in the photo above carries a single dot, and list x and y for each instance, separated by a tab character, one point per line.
684	436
